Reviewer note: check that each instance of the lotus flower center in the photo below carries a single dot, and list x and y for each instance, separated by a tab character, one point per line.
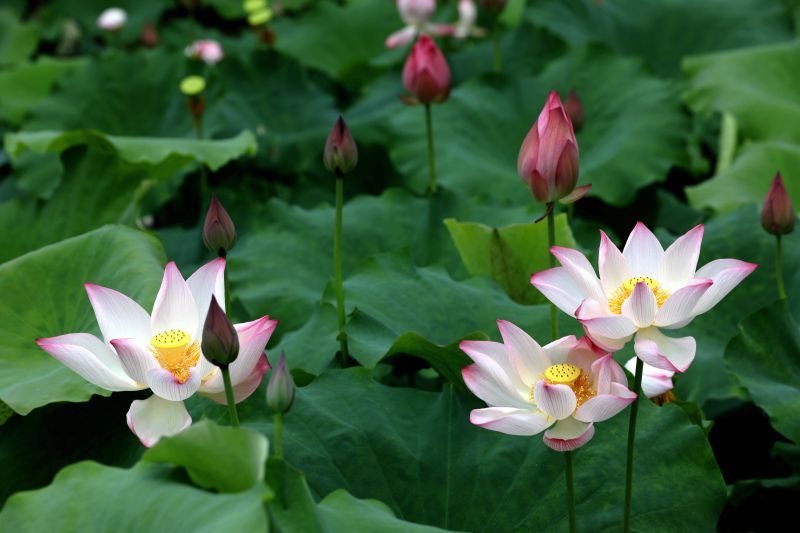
572	376
175	352
623	292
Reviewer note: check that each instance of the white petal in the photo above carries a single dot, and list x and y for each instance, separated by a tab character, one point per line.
527	357
136	359
667	353
655	381
401	37
679	307
568	434
253	338
207	280
581	272
163	383
509	420
680	259
641	306
557	401
557	285
493	388
726	274
613	265
604	406
584	354
617	327
492	358
214	388
558	351
643	252
117	315
174	307
605	372
155	417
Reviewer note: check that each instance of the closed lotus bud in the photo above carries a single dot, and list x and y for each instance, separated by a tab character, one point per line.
426	74
112	19
149	36
778	215
207	50
416	12
574	109
548	158
220	341
341	152
219	233
280	389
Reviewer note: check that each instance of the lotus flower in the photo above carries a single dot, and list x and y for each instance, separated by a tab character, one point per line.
655	381
561	389
426	74
112	19
416	14
162	351
467	15
641	291
206	50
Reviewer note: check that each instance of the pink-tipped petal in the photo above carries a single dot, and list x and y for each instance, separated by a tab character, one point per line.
214	388
493	358
679	307
576	194
558	401
510	421
166	385
175	307
90	358
581	272
679	262
584	354
558	286
206	281
613	265
568	434
117	315
401	37
494	389
136	359
643	252
655	381
253	338
641	306
666	353
604	406
605	372
726	275
154	418
558	351
615	327
527	357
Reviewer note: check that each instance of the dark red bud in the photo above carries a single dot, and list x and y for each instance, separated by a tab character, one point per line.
425	73
220	341
778	215
341	152
219	233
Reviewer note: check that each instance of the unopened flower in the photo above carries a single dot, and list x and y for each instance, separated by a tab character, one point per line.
574	109
778	215
426	74
341	152
220	343
561	389
162	351
112	19
206	50
467	15
641	291
280	388
149	36
416	14
219	233
655	381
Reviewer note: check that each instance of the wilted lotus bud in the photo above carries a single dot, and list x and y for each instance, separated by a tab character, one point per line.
341	152
112	19
206	50
548	158
219	233
426	74
220	341
416	12
778	215
149	36
574	109
280	389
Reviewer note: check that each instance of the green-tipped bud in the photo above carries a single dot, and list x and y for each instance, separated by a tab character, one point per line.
341	152
219	233
220	340
280	389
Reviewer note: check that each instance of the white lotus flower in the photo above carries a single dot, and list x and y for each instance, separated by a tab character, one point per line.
641	291
416	14
655	381
207	50
162	352
112	19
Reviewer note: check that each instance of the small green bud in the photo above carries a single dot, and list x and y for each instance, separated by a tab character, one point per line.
280	389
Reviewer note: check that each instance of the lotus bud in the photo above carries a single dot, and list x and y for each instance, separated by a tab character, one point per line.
341	152
426	74
149	36
280	389
219	232
778	215
112	19
206	50
220	341
574	109
548	158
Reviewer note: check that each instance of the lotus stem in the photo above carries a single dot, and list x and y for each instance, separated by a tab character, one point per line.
337	270
551	241
570	492
431	157
278	423
497	53
779	267
637	388
226	378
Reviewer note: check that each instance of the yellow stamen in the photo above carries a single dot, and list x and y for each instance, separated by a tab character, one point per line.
572	376
621	293
175	352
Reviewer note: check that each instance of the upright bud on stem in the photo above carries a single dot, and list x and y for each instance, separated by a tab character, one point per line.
219	233
778	215
280	389
220	341
341	152
426	74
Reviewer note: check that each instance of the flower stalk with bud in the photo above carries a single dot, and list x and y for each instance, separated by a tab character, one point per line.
221	347
778	217
280	396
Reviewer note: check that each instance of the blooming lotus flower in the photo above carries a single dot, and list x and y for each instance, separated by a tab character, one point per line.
206	50
416	14
426	74
561	389
778	215
641	291
655	381
162	351
467	15
112	19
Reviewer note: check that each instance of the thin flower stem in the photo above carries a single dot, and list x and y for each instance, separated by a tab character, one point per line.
637	388
278	420
551	241
779	267
570	492
226	378
431	157
497	53
203	173
337	269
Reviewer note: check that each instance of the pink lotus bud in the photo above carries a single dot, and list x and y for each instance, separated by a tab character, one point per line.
280	389
341	152
220	343
574	109
416	12
112	19
219	233
149	36
778	215
426	74
548	158
207	50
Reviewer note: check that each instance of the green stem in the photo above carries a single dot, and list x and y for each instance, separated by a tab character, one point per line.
278	419
779	267
203	174
551	241
570	491
226	378
497	53
431	157
637	388
337	269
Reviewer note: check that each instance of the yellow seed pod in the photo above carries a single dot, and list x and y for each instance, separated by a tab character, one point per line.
262	16
193	85
251	6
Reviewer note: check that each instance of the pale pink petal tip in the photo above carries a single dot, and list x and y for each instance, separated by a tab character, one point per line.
576	194
568	445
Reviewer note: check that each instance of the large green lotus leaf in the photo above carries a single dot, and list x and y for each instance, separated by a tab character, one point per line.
43	296
509	255
18	40
342	512
225	459
756	84
24	85
417	452
88	496
662	32
632	136
747	180
765	358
